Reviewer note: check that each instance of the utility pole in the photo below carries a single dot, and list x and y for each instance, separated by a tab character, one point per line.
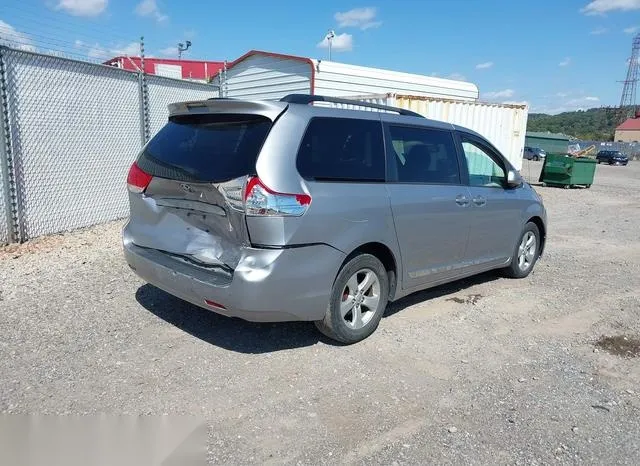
330	35
183	48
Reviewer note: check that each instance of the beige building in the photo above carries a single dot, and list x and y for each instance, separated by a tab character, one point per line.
629	131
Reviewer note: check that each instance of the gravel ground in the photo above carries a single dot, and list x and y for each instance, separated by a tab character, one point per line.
487	370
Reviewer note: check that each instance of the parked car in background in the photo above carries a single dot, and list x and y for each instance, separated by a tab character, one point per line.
276	211
612	157
534	153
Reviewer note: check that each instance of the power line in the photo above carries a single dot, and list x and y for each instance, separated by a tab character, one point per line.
26	40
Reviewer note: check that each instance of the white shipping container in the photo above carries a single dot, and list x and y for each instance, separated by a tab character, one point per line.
504	125
269	76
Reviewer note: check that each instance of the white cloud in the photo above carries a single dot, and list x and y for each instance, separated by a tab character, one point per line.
11	38
130	49
457	77
631	30
170	51
598	7
571	105
598	31
150	8
503	94
82	7
340	43
484	66
562	95
565	62
100	52
363	18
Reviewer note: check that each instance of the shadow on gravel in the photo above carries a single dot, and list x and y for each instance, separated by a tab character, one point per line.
444	290
254	338
228	333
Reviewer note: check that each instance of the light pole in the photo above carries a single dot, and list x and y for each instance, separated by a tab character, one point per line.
182	48
330	35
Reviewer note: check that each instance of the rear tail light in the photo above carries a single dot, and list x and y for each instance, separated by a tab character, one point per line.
262	201
137	180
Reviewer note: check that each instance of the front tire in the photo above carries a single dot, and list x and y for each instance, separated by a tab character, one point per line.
358	299
526	253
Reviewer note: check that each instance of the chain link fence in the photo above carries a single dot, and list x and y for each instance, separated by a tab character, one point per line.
74	129
162	91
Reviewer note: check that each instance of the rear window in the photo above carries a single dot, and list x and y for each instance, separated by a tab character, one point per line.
342	149
206	148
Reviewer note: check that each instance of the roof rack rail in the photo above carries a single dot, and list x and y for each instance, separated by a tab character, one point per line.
306	99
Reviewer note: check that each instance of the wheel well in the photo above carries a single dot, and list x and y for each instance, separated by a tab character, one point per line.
384	254
543	231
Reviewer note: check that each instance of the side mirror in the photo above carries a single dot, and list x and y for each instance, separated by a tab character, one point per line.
514	179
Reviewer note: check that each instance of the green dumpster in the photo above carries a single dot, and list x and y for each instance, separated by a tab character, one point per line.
566	171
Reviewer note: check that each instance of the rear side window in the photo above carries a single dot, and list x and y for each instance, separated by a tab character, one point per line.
423	155
342	149
206	148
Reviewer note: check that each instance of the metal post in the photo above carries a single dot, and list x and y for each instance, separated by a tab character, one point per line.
7	166
225	91
144	98
143	137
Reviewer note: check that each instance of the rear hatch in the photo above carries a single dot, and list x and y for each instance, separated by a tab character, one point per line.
187	186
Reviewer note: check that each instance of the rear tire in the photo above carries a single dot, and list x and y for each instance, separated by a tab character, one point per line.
536	159
358	300
526	252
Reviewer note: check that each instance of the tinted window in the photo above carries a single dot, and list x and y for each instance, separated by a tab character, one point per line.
422	155
484	170
207	148
335	149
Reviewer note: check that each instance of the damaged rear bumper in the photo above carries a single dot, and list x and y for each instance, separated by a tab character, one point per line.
268	285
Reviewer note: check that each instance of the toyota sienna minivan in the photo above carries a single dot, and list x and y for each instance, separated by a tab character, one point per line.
291	210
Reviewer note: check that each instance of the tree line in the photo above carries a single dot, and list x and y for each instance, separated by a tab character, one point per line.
595	124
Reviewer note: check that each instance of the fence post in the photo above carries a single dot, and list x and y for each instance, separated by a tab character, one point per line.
7	166
142	110
144	98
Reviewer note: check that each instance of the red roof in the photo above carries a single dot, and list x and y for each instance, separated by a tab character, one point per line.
632	124
191	69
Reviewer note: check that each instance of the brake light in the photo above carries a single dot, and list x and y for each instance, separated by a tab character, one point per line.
138	179
262	201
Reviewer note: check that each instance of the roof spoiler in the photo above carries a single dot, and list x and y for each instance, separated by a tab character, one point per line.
225	105
306	99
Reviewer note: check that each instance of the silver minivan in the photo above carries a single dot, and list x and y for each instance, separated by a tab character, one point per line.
302	209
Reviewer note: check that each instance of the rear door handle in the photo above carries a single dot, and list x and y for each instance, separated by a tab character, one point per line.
462	201
479	201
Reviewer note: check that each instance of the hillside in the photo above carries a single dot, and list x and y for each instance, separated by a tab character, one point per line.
595	124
